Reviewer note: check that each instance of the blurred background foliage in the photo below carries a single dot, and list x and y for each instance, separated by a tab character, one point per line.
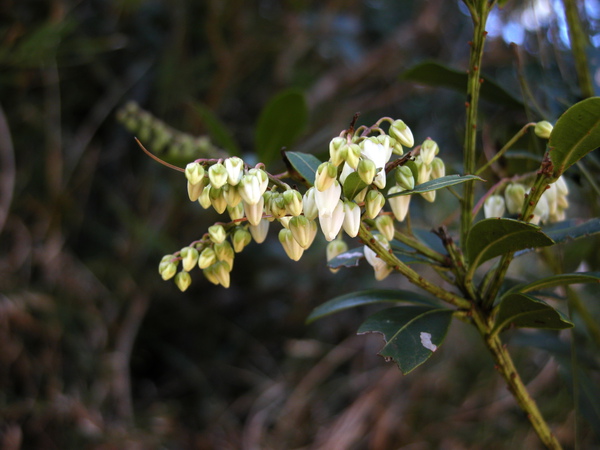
96	351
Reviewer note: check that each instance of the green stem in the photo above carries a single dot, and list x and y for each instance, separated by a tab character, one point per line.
410	274
578	44
479	13
507	146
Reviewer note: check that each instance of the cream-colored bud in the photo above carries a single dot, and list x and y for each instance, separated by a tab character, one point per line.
373	203
423	170
400	131
562	188
351	222
259	232
541	211
207	258
217	199
309	205
204	198
241	238
209	273
189	258
325	176
293	202
254	212
385	225
302	230
183	281
221	272
337	149
232	195
224	252
429	149
429	196
438	168
360	197
399	203
290	245
217	233
194	190
236	212
235	170
168	271
514	194
543	129
217	174
194	172
494	206
382	270
405	178
278	208
366	170
353	155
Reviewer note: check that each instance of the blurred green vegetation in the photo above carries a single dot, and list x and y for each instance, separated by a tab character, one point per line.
96	351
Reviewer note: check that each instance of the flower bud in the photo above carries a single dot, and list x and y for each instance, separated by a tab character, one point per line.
405	178
168	271
259	232
290	245
429	149
423	170
236	212
217	233
240	239
224	252
327	200
204	198
397	148
209	273
336	154
385	225
254	212
325	176
429	196
207	258
366	170
543	129
438	168
541	211
346	170
514	194
335	248
231	194
373	203
235	170
360	197
194	190
183	281
332	223
189	258
251	186
382	270
494	206
278	208
400	131
351	222
217	199
293	202
399	203
302	230
221	271
353	155
194	172
217	174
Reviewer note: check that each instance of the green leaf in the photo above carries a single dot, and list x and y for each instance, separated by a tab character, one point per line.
435	74
302	165
351	258
370	297
280	123
526	311
217	130
438	183
570	230
353	185
493	237
411	333
559	280
576	133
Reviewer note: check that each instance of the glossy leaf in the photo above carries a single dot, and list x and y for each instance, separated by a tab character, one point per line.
576	133
435	74
411	333
559	280
370	297
280	123
302	165
353	185
438	183
351	258
526	311
217	130
493	237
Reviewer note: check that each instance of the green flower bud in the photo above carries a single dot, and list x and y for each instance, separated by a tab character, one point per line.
351	223
494	206
400	131
217	233
240	239
209	273
429	196
290	245
514	194
423	170
429	149
337	150
293	202
217	174
366	170
353	155
236	212
204	198
438	168
217	199
404	178
373	203
183	281
325	176
194	172
168	271
303	230
224	252
222	272
259	232
207	258
278	208
385	225
397	148
543	129
399	203
231	195
189	258
235	170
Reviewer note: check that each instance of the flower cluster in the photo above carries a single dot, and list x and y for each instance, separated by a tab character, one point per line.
347	189
550	208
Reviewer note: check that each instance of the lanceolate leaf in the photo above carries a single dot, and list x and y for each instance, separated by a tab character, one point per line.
411	333
493	237
438	183
526	311
353	185
303	164
369	297
576	133
435	74
559	280
280	123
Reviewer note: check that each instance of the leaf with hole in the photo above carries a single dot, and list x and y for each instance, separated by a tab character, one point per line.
526	311
411	333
